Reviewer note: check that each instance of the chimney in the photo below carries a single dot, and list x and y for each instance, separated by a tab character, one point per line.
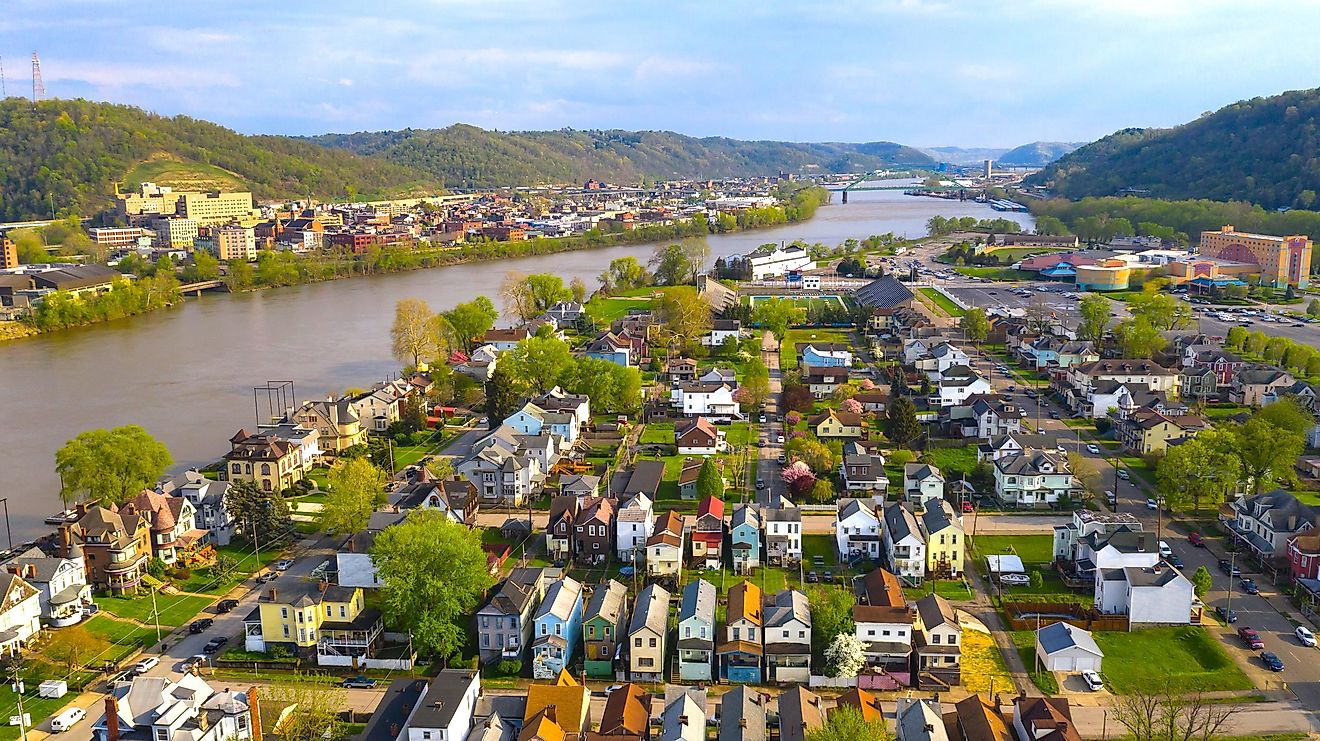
682	720
254	705
111	719
322	585
202	721
742	722
274	593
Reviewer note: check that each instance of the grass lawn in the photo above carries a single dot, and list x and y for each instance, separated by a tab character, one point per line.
1223	411
954	461
174	610
942	301
37	707
124	637
953	591
604	310
1155	658
996	274
1025	640
819	544
318	476
1138	466
658	432
983	668
788	350
1032	549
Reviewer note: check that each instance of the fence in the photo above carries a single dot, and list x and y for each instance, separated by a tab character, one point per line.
1033	615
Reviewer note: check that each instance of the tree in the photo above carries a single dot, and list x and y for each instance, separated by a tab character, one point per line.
822	492
539	361
670	265
203	267
798	476
845	656
797	398
902	426
110	466
504	392
812	452
710	482
684	312
516	293
578	289
357	487
625	273
1202	582
315	708
1171	713
831	615
851	406
1050	226
259	516
435	575
223	569
1037	579
546	290
975	325
611	387
1313	308
75	645
471	320
1267	452
775	315
1236	338
1199	472
1287	414
846	723
756	383
415	333
1138	338
1038	315
1094	310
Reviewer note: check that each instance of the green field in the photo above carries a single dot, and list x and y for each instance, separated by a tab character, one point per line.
997	274
942	301
1154	659
174	610
604	310
954	462
1032	549
125	638
788	351
804	302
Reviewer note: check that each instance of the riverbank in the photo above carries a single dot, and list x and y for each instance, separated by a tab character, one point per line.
284	269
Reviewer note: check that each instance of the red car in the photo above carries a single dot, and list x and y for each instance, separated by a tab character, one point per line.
967	506
1250	637
1195	539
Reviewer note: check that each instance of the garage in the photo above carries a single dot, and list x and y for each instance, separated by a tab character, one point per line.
1063	647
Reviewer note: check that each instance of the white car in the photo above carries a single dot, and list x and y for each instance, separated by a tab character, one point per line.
1092	680
1093	449
1123	474
283	564
1165	550
1305	636
1152	504
1014	580
146	665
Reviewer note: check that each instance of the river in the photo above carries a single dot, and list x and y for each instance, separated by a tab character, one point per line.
186	374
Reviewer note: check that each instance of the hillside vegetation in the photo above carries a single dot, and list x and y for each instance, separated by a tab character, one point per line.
1037	154
1262	151
468	157
66	155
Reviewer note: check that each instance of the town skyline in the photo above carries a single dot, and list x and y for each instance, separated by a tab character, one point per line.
919	73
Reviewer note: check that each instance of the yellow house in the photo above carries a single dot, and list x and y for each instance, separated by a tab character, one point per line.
833	423
315	618
266	460
335	421
1151	432
946	544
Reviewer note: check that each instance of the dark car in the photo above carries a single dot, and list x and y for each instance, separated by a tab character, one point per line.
1251	638
215	644
226	605
1271	661
1228	567
1250	587
1195	539
197	626
829	577
1226	614
812	577
1174	561
359	683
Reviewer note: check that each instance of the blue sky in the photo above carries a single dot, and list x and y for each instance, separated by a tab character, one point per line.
921	72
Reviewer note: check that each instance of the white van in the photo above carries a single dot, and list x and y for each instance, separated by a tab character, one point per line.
146	664
68	718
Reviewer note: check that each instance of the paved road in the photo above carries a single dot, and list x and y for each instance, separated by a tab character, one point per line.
769	448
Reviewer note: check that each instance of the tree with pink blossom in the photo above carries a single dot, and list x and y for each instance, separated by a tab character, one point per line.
851	406
866	384
799	477
792	418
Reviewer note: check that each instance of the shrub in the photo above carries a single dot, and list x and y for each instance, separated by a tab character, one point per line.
509	667
792	418
1102	425
182	573
1037	579
900	457
156	568
279	652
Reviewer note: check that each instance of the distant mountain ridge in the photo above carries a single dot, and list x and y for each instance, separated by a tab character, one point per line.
1262	150
1035	154
465	156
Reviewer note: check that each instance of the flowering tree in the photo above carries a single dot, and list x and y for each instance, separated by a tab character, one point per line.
851	406
799	477
795	434
845	656
866	384
792	418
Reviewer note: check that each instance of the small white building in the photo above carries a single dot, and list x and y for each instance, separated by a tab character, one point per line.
1150	595
1063	647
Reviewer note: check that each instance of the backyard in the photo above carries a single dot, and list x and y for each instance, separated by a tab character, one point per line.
170	610
788	350
1153	659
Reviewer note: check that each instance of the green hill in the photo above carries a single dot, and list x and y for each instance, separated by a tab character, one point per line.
468	157
1262	150
69	154
1037	154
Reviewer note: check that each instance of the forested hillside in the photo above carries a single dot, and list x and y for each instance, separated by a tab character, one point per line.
1037	154
1263	150
66	155
468	157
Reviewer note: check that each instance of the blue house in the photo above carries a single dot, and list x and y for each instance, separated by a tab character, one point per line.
611	348
745	532
555	628
696	631
740	654
824	354
533	420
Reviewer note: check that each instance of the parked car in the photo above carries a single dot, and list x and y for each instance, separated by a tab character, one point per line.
1054	414
66	719
215	644
1109	497
1195	539
967	506
146	665
760	483
1305	636
1093	449
283	564
812	577
782	459
1226	614
1228	567
1165	550
1151	503
1014	580
359	683
1271	661
1123	474
1251	638
1092	680
1249	586
197	626
268	577
828	577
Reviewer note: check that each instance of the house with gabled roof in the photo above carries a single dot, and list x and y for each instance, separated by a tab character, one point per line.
824	354
745	538
946	543
633	525
865	703
1251	385
1035	478
555	628
708	534
664	549
904	546
978	718
832	423
787	637
593	531
857	529
801	711
883	624
648	634
20	613
603	625
937	643
741	653
697	436
863	467
504	623
783	531
1264	523
922	483
626	716
569	701
919	719
743	714
696	631
1044	719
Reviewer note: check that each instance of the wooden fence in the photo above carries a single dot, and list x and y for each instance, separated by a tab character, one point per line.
1033	615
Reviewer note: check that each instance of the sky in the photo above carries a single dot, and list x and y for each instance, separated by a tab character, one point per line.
919	72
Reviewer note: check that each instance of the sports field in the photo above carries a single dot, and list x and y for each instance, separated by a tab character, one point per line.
804	302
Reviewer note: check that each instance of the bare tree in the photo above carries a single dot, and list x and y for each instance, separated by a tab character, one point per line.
517	297
314	709
414	334
1169	715
1038	315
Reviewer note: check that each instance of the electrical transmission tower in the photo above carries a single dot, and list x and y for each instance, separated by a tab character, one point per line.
3	93
38	87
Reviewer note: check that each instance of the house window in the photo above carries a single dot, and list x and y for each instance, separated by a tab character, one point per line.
935	639
286	631
639	642
652	643
646	661
343	611
284	613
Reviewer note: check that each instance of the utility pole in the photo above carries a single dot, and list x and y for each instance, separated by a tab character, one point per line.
1232	563
17	684
155	613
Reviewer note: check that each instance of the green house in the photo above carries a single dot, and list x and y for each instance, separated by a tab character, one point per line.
605	618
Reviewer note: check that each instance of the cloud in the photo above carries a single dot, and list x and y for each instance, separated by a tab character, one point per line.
346	82
653	69
122	74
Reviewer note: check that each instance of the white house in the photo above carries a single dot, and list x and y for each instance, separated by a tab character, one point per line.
446	707
904	545
721	330
857	528
533	420
940	359
633	526
783	532
20	613
1148	595
705	400
922	482
1063	647
1034	477
777	261
353	564
957	384
61	581
164	708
